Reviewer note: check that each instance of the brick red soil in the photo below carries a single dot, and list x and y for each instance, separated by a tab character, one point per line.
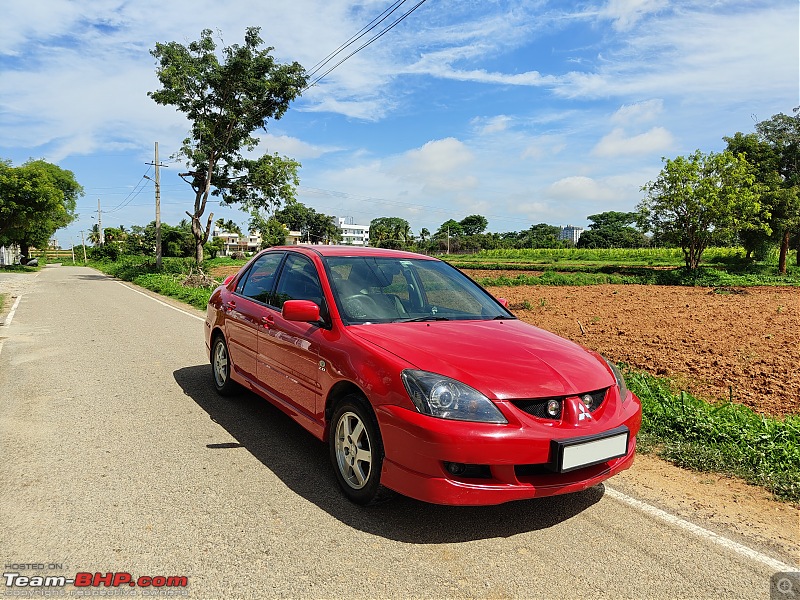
745	340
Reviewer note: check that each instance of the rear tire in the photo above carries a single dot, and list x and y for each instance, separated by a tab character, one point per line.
356	449
221	367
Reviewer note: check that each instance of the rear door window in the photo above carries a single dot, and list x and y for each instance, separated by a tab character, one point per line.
259	281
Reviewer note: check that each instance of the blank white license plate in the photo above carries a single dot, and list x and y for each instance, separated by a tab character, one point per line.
576	454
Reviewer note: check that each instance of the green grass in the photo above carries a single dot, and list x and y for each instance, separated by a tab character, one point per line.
170	285
19	269
625	256
723	438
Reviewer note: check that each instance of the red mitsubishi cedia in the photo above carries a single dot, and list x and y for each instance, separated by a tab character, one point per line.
417	378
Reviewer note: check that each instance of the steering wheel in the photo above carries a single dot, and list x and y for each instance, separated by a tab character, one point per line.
359	305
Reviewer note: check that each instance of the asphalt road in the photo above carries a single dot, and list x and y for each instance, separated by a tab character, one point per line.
116	455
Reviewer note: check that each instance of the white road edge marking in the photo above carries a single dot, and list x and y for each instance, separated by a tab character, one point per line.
10	316
649	509
702	532
180	310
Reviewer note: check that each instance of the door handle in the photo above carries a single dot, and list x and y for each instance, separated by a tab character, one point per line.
230	305
268	321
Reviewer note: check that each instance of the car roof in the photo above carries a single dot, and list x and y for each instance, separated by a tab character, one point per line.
342	250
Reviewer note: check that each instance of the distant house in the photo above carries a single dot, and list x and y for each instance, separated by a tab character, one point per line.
233	242
352	234
570	233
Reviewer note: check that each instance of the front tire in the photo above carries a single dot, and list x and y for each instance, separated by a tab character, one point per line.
356	449
221	367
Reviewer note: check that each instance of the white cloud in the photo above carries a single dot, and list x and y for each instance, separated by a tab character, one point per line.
293	147
626	13
580	188
638	112
617	143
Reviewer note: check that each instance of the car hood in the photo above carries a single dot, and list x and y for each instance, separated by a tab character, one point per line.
502	359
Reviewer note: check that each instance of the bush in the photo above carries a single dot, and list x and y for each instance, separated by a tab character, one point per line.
724	438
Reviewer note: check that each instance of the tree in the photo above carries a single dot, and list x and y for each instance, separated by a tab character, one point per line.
540	236
612	229
272	231
228	226
450	228
699	199
225	103
782	133
473	224
764	160
94	235
36	199
313	226
390	232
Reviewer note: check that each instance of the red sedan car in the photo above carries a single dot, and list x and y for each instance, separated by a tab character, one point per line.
417	378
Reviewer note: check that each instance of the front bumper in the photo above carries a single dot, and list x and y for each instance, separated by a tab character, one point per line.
505	462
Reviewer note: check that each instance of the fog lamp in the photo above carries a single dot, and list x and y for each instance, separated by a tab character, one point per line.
587	400
553	408
455	468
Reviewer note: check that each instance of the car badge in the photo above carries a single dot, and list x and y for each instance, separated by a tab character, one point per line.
583	413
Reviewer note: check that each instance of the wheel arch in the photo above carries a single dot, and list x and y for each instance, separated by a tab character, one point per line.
340	390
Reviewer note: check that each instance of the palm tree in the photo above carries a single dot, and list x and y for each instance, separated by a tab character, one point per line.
94	235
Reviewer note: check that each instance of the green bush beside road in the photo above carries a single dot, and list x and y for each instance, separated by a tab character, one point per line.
724	438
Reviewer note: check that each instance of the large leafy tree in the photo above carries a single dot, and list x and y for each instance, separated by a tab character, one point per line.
782	134
226	101
390	232
612	229
36	199
474	224
314	227
699	199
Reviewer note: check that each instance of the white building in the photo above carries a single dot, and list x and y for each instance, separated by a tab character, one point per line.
570	233
235	243
352	234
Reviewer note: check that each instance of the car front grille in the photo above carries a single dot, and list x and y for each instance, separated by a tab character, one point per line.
537	407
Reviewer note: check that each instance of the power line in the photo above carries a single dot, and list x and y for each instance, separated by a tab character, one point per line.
358	35
365	44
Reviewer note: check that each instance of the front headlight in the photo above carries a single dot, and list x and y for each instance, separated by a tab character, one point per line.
446	398
623	389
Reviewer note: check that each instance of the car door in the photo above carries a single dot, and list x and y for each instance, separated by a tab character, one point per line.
288	351
245	313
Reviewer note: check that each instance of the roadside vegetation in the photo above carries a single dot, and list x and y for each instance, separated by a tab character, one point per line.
723	438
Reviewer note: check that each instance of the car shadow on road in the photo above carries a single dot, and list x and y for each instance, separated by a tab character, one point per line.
301	462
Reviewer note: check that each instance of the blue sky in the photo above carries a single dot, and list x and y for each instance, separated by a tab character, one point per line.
525	112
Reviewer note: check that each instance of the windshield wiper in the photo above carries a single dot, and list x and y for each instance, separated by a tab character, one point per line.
425	318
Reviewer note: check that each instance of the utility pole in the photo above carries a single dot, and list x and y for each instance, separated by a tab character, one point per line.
83	245
448	239
157	181
101	238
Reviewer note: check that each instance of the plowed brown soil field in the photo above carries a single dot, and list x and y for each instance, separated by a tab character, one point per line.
742	343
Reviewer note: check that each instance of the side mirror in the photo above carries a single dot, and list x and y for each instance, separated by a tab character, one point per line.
228	279
503	301
300	310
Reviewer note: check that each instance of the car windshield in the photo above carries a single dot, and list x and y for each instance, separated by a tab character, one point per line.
372	289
